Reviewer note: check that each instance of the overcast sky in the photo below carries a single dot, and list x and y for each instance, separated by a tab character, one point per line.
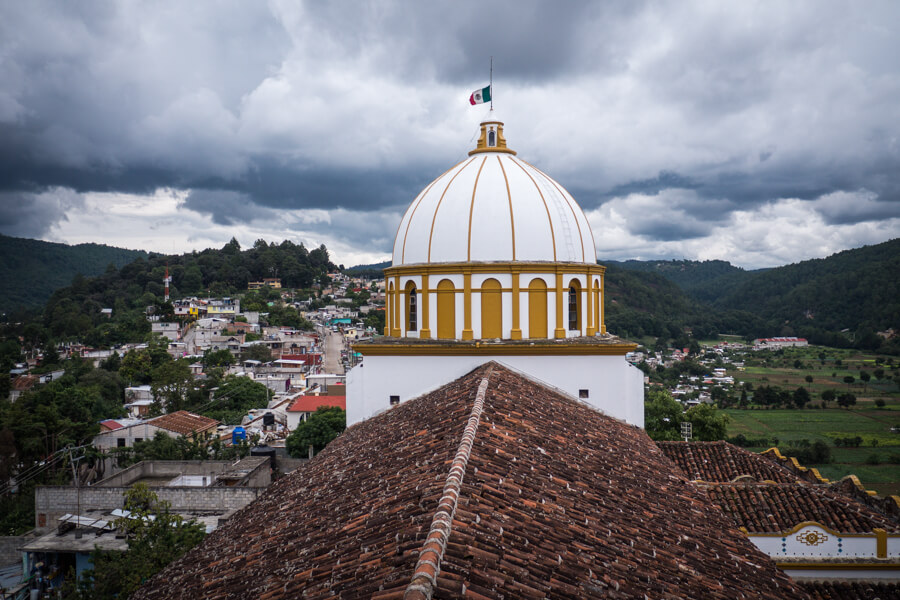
760	133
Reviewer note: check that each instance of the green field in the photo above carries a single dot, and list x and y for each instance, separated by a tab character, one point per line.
794	425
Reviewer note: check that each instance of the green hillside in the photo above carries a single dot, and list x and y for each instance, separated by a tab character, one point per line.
31	269
841	300
855	289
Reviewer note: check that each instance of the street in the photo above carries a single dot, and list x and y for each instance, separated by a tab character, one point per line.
334	343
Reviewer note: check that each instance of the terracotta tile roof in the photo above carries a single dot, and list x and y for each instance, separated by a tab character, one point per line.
311	403
723	462
772	508
183	422
851	590
489	487
111	425
24	382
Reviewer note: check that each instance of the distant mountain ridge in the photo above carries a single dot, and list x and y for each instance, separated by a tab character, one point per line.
856	292
31	270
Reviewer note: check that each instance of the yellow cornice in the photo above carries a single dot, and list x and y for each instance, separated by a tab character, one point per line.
494	267
536	348
483	150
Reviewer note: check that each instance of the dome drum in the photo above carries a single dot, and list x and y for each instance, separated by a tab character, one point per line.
482	301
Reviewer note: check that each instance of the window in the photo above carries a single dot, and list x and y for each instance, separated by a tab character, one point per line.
395	400
137	440
120	442
584	393
411	307
492	138
575	306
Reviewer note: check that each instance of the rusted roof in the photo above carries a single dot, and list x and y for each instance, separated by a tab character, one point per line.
774	508
490	487
24	382
183	422
723	462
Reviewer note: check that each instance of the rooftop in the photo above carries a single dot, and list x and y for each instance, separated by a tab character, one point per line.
492	486
722	462
311	403
778	507
183	422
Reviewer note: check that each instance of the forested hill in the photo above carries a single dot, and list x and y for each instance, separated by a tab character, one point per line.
855	290
703	280
31	269
73	312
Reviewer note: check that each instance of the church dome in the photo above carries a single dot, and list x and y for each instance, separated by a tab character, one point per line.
493	207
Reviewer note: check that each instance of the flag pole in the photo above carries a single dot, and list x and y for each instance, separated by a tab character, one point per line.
492	83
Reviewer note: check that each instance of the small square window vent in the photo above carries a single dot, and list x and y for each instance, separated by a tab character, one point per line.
584	394
395	400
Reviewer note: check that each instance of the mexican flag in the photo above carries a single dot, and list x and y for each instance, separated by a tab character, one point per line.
480	96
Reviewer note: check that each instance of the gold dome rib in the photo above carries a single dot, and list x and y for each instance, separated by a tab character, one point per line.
413	213
546	208
472	209
438	207
512	221
569	204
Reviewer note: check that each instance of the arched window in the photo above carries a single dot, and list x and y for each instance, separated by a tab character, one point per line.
537	309
574	305
492	138
491	310
412	313
446	310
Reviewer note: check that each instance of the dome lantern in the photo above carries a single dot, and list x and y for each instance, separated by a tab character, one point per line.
491	139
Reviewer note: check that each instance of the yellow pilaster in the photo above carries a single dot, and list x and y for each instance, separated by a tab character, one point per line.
559	332
467	333
880	542
388	308
426	329
591	326
395	320
516	332
602	293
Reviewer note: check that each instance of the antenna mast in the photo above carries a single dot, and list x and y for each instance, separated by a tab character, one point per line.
492	83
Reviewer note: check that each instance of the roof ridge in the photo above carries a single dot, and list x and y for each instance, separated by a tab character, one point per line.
424	577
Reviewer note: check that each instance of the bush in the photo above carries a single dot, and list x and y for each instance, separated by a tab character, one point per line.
873	459
879	403
816	453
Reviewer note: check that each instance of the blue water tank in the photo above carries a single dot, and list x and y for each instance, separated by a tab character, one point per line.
237	435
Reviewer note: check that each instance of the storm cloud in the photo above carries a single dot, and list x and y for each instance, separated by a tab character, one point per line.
676	123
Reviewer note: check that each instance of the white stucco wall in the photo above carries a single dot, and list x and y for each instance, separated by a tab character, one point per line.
615	387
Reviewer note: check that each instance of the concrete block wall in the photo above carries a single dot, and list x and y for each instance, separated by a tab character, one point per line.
52	502
9	545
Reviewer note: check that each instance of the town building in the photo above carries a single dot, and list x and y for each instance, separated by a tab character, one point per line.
779	342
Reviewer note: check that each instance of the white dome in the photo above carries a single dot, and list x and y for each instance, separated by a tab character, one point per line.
493	207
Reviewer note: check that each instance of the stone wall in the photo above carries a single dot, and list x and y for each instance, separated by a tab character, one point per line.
52	502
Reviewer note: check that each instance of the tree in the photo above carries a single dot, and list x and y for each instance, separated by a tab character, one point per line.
170	384
846	400
865	377
707	424
828	396
809	380
218	358
849	379
662	415
155	536
258	352
800	397
317	431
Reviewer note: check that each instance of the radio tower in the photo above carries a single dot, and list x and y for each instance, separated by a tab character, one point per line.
166	281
